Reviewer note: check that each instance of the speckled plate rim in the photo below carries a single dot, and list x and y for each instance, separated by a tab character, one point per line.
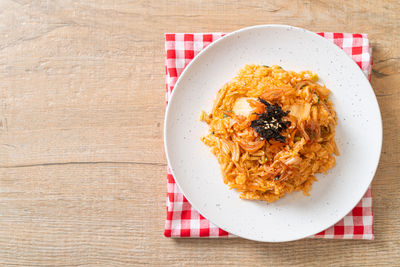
177	90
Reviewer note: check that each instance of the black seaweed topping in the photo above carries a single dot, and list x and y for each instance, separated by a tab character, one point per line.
269	124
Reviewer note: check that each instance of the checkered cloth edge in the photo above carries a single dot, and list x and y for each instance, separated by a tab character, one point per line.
182	219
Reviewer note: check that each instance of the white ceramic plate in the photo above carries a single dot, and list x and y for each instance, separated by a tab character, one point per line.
359	134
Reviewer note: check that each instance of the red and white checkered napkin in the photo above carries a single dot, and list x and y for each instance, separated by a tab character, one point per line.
182	219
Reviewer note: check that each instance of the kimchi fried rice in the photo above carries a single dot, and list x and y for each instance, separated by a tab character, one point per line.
272	130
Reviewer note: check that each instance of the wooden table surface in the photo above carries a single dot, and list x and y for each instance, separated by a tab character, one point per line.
82	177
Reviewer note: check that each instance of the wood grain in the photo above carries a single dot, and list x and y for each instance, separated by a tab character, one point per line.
82	167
